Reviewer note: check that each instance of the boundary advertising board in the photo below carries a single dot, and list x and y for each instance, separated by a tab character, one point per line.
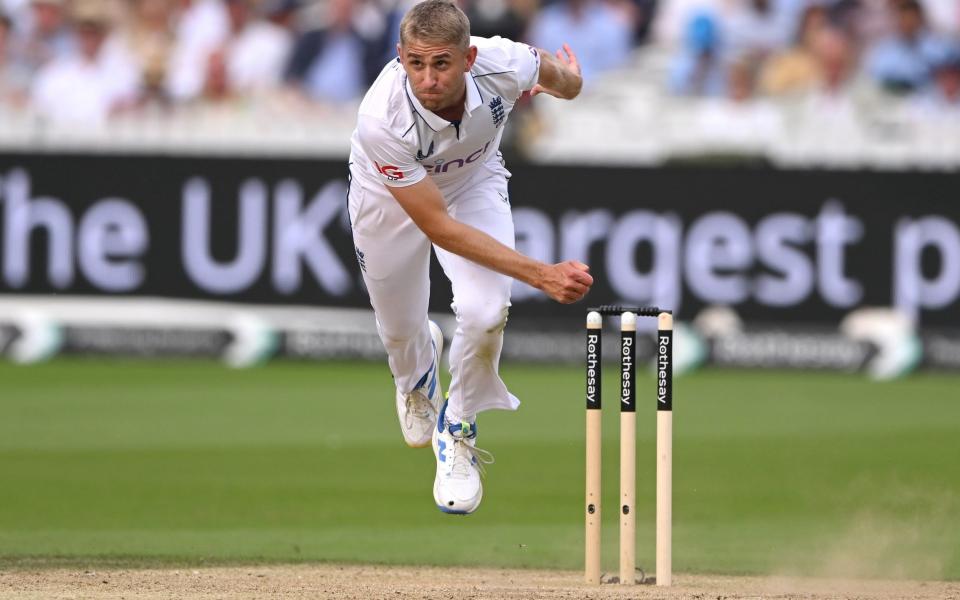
777	246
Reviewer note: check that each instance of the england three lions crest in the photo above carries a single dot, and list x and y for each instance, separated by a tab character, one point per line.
496	111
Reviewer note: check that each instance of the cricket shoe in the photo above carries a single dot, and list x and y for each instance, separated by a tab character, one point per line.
418	409
457	488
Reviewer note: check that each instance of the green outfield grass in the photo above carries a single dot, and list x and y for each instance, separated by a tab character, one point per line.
148	462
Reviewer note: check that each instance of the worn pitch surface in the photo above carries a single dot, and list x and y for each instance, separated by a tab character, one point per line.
400	583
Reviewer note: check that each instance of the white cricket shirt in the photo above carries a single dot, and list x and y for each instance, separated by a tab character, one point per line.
397	142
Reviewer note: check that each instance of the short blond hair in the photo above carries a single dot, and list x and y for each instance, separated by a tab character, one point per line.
436	21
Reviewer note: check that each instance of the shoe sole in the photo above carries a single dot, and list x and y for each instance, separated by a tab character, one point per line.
450	511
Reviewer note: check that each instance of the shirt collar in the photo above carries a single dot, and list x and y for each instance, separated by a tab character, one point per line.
436	123
474	97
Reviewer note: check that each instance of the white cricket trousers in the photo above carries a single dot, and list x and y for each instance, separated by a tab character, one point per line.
394	257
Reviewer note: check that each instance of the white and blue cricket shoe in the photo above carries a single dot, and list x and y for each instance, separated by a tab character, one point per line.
418	409
457	488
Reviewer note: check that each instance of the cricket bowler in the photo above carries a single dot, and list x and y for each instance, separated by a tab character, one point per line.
426	172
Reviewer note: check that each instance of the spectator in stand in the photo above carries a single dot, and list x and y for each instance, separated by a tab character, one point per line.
672	21
15	14
741	79
282	13
796	70
200	31
150	38
942	98
602	36
48	35
256	51
867	20
392	12
739	117
698	69
247	60
902	61
640	14
216	79
831	100
14	75
944	16
759	27
506	18
836	59
99	80
946	90
337	62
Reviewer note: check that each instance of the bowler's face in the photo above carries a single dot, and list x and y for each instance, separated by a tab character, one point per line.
435	71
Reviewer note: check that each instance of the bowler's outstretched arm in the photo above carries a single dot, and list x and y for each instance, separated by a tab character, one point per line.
565	282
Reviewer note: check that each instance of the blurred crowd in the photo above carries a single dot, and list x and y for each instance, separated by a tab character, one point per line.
825	51
84	61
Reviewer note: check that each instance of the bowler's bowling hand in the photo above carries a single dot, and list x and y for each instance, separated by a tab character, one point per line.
560	76
566	282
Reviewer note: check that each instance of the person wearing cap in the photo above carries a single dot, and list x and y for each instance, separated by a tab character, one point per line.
101	77
697	70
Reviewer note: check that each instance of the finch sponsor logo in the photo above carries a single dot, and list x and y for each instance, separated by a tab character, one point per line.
389	171
443	167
